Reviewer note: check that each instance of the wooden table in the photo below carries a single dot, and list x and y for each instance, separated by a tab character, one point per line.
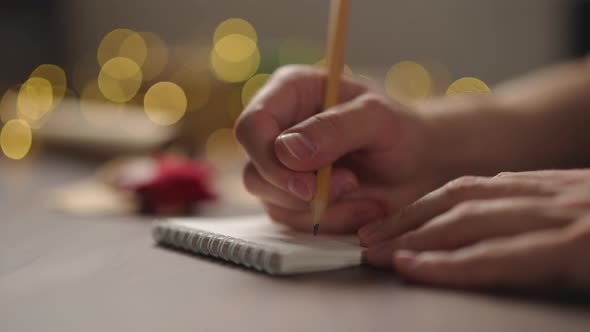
62	273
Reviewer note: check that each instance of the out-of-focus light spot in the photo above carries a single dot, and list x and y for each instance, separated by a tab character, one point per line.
165	103
56	76
196	85
35	98
322	63
8	105
252	86
92	106
16	138
408	81
119	79
235	48
468	85
293	51
157	56
235	26
222	149
122	43
233	72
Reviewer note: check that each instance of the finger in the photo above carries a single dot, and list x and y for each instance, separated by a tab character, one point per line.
529	259
444	198
475	221
364	123
342	182
554	176
341	217
292	94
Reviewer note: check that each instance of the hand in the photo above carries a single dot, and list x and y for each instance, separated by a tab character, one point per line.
377	147
530	228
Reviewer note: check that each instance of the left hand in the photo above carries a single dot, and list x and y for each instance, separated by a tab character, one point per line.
529	228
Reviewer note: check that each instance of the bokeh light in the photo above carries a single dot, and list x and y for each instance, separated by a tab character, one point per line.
322	63
165	103
468	85
16	139
235	58
157	56
122	43
252	86
35	99
54	75
235	26
222	149
408	81
119	79
8	104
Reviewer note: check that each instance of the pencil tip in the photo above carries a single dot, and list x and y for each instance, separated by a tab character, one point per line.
316	228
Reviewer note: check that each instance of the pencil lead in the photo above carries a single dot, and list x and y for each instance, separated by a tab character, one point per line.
316	228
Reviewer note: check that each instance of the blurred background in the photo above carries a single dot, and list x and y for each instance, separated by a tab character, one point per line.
105	79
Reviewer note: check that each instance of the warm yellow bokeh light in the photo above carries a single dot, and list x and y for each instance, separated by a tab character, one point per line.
16	139
235	26
234	72
196	85
165	103
408	81
56	76
8	105
222	149
468	85
92	106
157	56
322	63
35	98
252	86
119	79
122	43
235	48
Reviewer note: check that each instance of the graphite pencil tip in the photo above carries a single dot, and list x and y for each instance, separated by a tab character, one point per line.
316	229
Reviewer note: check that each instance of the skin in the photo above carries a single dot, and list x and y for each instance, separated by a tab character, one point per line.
417	181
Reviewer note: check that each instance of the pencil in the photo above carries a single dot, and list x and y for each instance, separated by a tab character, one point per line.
335	62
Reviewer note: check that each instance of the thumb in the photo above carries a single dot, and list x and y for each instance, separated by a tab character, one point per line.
367	122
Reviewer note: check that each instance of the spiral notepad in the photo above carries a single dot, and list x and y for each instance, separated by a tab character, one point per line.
255	242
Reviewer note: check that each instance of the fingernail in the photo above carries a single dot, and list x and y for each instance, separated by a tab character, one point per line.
299	146
366	232
299	187
405	258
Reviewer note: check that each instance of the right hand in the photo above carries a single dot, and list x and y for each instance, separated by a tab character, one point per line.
378	148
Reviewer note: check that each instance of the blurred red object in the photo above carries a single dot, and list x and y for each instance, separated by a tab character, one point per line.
168	184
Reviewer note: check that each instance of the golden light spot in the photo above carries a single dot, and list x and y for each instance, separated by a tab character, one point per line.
165	103
468	85
119	79
293	51
16	139
35	98
94	109
222	149
408	81
8	105
56	76
235	26
196	85
252	86
233	72
122	43
322	63
235	48
157	56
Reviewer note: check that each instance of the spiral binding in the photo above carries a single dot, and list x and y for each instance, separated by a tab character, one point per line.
230	249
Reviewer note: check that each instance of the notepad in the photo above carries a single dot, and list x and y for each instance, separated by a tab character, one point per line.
258	243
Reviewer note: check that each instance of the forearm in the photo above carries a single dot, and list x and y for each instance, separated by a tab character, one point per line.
538	122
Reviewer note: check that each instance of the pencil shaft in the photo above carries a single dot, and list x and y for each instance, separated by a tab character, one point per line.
335	62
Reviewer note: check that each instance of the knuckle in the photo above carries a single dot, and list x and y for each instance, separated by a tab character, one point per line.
504	174
327	121
465	211
373	102
461	187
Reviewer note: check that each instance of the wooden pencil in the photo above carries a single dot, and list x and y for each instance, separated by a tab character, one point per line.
338	24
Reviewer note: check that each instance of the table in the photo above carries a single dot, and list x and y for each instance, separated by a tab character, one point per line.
63	273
